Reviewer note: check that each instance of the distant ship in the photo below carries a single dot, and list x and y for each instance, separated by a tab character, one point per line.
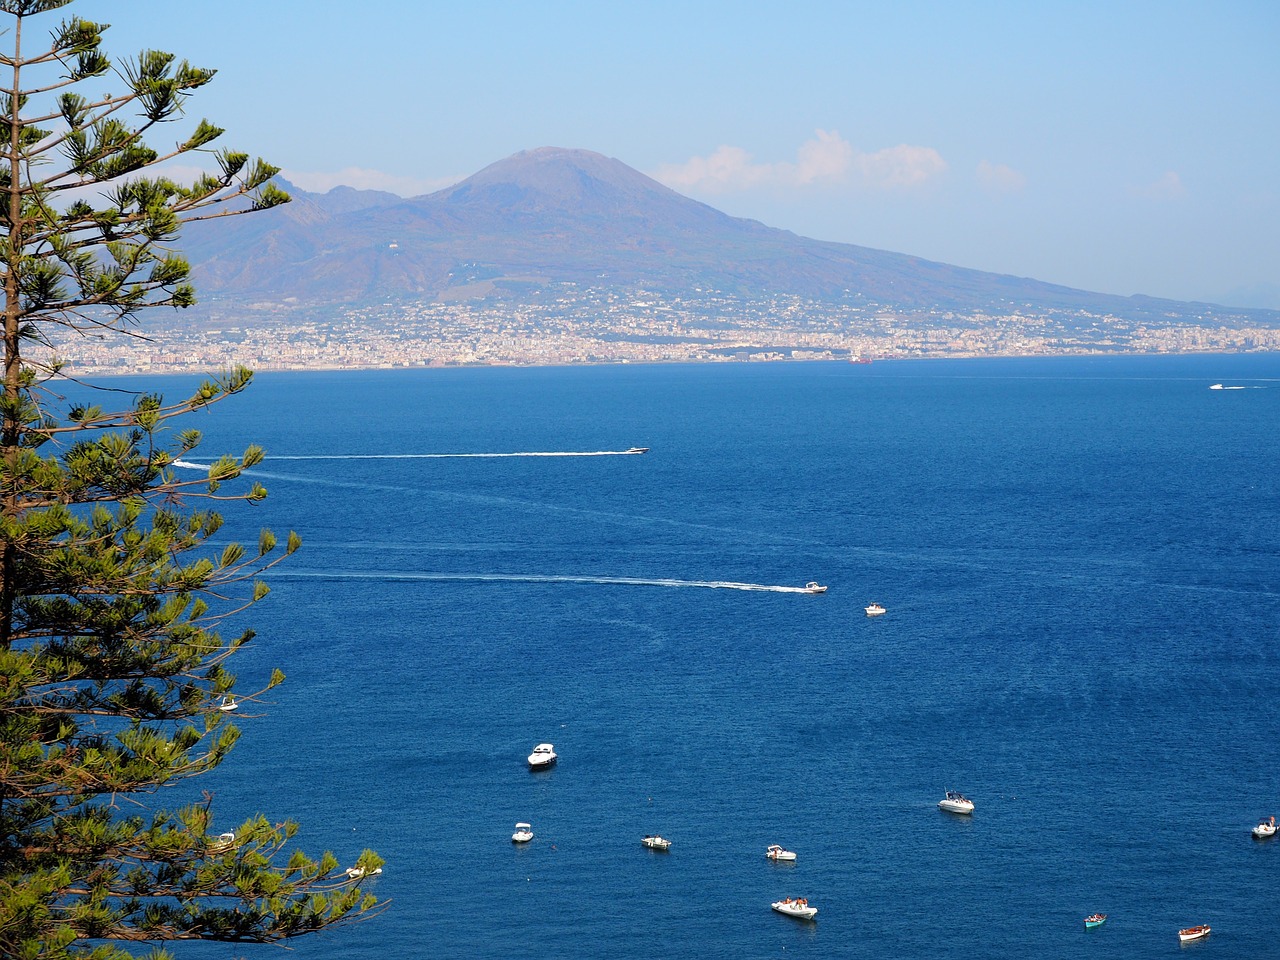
857	359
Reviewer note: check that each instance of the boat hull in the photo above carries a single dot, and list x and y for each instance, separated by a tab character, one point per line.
791	910
1193	933
951	806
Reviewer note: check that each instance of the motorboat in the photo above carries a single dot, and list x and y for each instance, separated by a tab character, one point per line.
1265	828
776	853
656	843
1198	932
955	802
1095	920
359	873
813	586
638	450
228	704
874	610
523	834
543	756
795	907
223	843
1215	386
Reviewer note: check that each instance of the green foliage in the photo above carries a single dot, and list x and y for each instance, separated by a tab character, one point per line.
114	594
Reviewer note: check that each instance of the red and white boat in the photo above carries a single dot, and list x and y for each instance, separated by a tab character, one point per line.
1198	932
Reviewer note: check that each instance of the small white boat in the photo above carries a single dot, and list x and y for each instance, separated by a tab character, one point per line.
656	843
1197	932
228	704
813	586
796	907
775	852
874	610
543	756
224	842
523	834
1265	828
955	802
638	450
359	873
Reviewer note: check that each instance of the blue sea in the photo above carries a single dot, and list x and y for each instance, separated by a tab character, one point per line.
1080	559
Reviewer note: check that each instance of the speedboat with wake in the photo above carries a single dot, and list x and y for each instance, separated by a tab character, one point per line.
813	586
796	907
955	802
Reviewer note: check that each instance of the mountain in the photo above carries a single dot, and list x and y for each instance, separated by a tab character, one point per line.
547	217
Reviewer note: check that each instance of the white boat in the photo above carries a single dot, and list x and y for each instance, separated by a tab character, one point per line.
638	450
775	852
813	586
874	610
228	704
656	843
523	834
1265	828
955	802
1215	386
543	756
796	907
1194	933
359	873
223	843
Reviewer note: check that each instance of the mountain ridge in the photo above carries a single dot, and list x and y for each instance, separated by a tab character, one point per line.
541	219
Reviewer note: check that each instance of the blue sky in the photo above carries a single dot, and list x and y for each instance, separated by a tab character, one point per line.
1124	147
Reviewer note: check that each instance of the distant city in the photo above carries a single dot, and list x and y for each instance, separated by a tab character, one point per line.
582	326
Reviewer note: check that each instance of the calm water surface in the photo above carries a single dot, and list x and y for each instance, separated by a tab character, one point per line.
1078	557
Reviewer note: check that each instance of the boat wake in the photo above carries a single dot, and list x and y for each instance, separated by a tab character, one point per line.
436	456
535	578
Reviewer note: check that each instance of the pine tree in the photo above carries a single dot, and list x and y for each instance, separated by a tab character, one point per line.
113	594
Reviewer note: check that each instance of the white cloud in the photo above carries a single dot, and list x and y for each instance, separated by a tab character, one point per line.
999	178
1166	187
828	158
362	179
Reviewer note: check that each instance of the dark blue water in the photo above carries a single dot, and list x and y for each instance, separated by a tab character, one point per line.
1079	559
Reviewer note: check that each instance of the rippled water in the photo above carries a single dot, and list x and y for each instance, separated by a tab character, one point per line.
1079	563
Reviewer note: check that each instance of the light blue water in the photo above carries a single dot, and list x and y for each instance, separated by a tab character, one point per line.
1079	560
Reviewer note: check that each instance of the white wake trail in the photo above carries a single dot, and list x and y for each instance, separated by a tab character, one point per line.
537	578
453	456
